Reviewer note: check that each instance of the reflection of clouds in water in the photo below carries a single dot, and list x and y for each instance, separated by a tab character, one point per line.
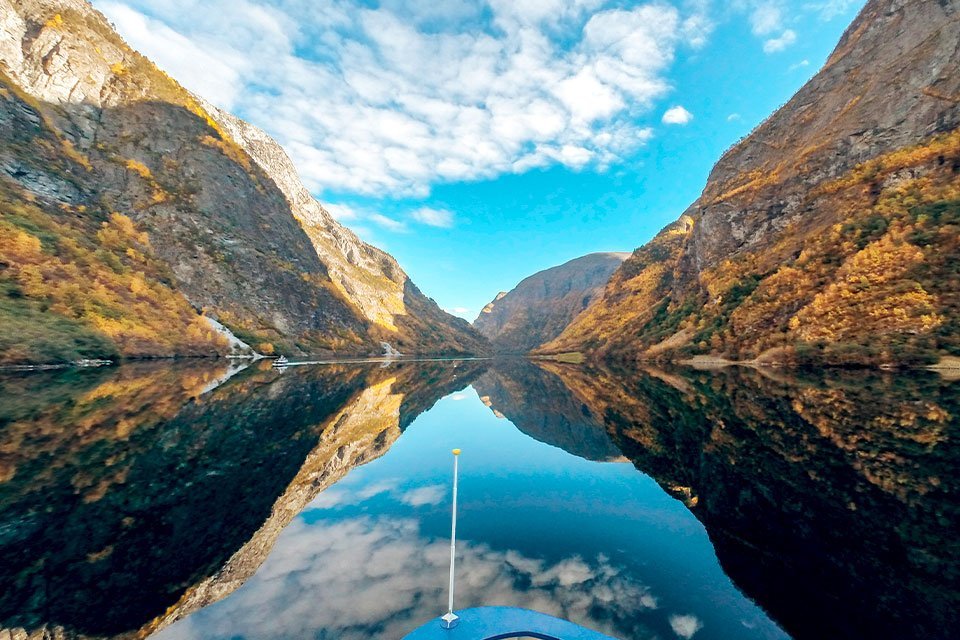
422	496
378	578
459	396
343	494
685	626
330	499
415	497
376	488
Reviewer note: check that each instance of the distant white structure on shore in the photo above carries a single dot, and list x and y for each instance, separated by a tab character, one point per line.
238	348
389	351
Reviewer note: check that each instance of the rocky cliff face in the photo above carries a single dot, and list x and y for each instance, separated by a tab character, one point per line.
386	297
541	306
828	233
218	201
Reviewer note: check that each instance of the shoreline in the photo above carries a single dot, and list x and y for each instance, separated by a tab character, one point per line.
309	360
947	366
93	363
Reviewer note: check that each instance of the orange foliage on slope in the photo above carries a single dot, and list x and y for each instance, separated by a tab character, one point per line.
871	294
880	284
108	281
631	294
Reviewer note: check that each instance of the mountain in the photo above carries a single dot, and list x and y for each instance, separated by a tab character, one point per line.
134	214
541	306
369	277
829	234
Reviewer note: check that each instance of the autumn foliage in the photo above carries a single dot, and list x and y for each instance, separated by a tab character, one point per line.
871	276
72	286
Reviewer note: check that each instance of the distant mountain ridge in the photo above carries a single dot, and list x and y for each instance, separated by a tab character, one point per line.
828	234
131	209
542	305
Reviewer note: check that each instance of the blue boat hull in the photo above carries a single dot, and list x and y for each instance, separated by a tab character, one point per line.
500	623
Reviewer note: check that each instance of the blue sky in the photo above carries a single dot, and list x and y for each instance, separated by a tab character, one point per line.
480	141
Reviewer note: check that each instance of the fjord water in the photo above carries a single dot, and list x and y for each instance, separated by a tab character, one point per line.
209	502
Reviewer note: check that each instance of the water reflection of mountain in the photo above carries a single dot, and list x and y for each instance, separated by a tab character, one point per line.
831	499
131	497
129	493
538	403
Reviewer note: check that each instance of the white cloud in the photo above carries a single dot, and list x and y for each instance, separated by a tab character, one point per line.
330	498
387	223
421	496
800	65
830	9
733	117
766	18
377	488
197	61
433	217
685	626
677	115
463	312
342	212
397	99
774	45
698	25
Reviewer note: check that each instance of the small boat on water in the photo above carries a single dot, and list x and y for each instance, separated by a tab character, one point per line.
493	623
281	362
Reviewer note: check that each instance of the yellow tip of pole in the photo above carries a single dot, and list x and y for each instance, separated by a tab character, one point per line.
456	452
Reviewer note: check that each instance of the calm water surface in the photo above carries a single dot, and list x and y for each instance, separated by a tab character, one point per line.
204	502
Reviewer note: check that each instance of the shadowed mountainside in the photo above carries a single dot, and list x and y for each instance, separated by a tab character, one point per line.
539	405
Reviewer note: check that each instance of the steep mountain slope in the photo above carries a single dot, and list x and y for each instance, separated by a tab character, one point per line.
541	306
77	278
124	144
830	233
369	277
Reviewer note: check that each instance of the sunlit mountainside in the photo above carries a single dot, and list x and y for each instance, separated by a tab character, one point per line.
830	234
